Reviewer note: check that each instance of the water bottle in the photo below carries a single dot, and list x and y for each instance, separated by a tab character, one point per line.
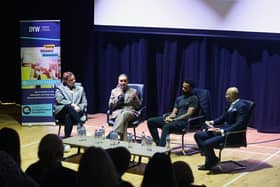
149	142
102	129
98	136
82	133
167	145
143	138
114	137
130	140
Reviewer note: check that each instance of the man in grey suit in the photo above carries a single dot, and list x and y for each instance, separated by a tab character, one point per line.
71	103
123	103
233	119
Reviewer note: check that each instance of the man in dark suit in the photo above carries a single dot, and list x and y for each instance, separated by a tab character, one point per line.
233	119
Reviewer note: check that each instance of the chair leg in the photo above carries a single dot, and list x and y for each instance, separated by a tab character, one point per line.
59	129
134	131
220	155
183	144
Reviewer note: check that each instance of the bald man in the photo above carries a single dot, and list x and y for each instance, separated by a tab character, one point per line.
123	102
231	120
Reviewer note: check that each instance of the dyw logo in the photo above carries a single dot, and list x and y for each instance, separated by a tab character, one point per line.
34	29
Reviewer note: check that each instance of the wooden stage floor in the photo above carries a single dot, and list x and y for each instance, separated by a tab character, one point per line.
261	156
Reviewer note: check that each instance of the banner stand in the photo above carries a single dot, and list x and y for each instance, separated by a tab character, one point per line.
40	70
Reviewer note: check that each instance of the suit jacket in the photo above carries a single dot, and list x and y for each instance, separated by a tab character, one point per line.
64	96
235	119
131	101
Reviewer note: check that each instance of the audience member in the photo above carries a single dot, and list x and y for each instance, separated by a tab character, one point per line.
159	172
71	103
11	174
231	120
184	175
48	171
185	106
96	169
123	103
121	158
10	143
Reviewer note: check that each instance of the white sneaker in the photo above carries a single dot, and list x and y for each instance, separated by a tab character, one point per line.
67	148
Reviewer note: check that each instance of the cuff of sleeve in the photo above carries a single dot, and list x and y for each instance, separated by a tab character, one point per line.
222	132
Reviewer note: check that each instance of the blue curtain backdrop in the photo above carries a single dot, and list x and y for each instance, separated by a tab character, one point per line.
163	62
159	60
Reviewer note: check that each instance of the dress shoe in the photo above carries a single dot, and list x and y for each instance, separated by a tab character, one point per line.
204	167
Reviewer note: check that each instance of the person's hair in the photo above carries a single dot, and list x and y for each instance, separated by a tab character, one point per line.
123	75
66	76
190	82
11	174
10	142
96	169
233	91
50	150
121	158
159	172
183	174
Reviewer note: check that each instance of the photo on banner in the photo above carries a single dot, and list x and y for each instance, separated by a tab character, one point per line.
40	59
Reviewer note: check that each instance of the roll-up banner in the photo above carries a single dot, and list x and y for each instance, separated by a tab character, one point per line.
40	70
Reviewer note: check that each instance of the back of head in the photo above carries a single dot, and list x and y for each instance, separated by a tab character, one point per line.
11	174
10	143
121	157
96	169
183	173
159	172
50	150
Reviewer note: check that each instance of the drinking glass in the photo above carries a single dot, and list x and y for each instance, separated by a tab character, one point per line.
149	142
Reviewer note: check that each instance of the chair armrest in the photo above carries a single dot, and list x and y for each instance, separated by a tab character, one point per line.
238	141
166	114
235	132
108	113
142	113
196	118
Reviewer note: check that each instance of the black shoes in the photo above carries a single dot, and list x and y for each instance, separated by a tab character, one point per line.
204	167
210	165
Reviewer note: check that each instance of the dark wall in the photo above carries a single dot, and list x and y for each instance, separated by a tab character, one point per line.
76	23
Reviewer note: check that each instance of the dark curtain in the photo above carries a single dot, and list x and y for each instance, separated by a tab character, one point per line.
162	62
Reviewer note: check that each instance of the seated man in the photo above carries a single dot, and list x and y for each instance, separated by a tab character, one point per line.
232	119
185	106
123	103
71	103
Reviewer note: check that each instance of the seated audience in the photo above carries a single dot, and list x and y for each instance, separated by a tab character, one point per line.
48	171
184	175
11	174
121	158
159	172
96	169
10	143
